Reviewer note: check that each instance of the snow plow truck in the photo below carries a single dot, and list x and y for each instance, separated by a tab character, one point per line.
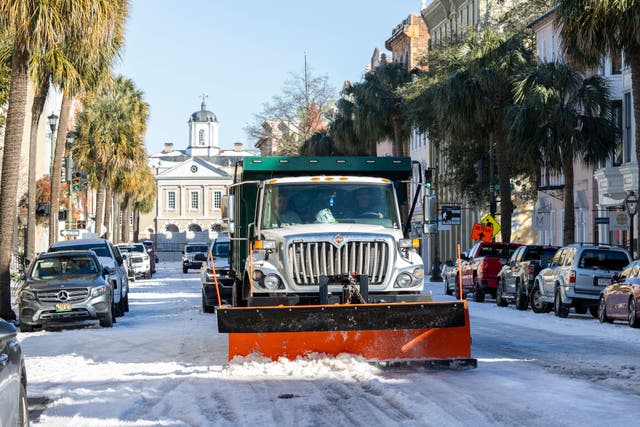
322	264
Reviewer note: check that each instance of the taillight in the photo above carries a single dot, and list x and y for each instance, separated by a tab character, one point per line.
572	276
532	269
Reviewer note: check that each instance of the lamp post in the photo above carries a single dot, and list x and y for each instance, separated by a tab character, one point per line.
52	120
70	137
631	203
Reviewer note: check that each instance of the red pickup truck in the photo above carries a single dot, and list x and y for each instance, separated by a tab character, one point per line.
481	267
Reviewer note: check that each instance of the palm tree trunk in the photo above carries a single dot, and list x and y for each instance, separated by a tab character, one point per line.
136	225
398	144
634	62
504	175
100	204
108	212
56	170
126	212
568	233
36	112
9	182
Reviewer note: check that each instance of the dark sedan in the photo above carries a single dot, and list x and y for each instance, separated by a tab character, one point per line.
14	410
621	299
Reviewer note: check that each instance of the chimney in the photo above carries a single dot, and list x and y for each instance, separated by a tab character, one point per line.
168	147
237	146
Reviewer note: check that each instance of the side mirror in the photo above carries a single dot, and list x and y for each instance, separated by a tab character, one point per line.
124	256
107	271
616	277
230	201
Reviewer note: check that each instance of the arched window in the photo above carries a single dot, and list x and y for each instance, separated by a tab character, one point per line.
194	227
172	228
201	137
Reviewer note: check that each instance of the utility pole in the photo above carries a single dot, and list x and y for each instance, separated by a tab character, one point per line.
435	271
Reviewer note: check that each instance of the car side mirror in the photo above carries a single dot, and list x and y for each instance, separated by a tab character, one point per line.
106	271
124	256
616	277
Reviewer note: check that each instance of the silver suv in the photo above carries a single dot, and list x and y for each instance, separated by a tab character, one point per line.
575	277
64	287
193	255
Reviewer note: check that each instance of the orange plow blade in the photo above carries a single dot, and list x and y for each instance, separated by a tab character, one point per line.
433	333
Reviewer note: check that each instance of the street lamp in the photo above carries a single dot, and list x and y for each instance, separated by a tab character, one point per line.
70	137
631	203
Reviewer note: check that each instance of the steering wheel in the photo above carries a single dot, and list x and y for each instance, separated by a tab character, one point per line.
370	215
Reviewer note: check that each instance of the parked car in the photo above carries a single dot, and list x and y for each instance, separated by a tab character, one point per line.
109	257
65	287
515	279
480	269
138	260
193	255
575	278
218	260
621	299
124	253
153	256
14	410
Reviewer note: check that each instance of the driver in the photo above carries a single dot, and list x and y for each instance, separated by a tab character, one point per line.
364	204
286	214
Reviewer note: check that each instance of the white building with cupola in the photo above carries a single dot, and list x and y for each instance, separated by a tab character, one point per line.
191	184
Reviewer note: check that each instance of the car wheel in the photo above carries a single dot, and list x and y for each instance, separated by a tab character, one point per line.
537	305
107	322
126	303
114	310
26	327
185	269
23	408
207	308
147	275
634	320
120	308
500	301
457	291
602	311
522	301
447	291
593	310
478	294
559	308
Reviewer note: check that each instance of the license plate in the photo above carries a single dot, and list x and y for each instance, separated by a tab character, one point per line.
604	281
63	307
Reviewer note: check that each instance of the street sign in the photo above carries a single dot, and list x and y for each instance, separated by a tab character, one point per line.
71	233
482	232
450	215
490	220
601	220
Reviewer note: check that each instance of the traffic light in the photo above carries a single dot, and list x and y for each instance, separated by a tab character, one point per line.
75	181
428	177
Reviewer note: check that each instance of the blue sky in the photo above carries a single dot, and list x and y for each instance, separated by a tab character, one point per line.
240	53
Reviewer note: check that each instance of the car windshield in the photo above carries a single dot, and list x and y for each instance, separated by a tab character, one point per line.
501	251
59	268
123	248
329	203
220	249
603	259
540	253
196	248
100	249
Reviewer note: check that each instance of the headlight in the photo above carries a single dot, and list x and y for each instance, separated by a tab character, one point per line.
257	275
96	292
418	273
408	243
265	244
271	281
403	280
28	295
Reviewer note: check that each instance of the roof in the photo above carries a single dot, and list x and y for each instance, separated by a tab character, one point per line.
64	243
203	115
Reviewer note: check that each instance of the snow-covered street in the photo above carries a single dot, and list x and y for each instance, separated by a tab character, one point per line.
164	364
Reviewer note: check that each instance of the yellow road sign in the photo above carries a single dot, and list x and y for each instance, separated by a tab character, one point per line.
489	220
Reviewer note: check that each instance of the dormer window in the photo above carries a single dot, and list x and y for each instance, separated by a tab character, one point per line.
201	137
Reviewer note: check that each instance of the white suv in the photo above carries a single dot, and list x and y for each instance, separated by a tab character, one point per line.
138	259
575	277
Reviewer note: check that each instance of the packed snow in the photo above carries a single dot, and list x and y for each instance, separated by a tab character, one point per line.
165	364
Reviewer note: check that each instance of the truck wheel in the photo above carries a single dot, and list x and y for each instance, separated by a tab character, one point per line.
500	301
522	301
559	308
447	291
537	305
478	294
634	320
206	308
457	291
107	322
593	310
25	327
602	311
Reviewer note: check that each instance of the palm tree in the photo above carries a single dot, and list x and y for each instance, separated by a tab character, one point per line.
593	28
562	117
143	200
378	108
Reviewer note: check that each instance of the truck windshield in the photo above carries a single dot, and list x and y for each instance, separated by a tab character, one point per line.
329	203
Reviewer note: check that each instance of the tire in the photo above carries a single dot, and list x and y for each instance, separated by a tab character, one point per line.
185	270
207	308
593	310
126	303
559	309
537	305
500	301
113	312
23	408
522	300
478	295
580	309
147	275
107	322
457	292
634	320
120	308
447	291
602	311
237	299
25	327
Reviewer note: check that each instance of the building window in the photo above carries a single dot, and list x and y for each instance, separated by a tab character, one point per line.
616	115
201	137
194	198
217	199
171	200
616	63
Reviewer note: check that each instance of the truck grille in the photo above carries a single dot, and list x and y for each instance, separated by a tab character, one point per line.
136	260
70	295
310	260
